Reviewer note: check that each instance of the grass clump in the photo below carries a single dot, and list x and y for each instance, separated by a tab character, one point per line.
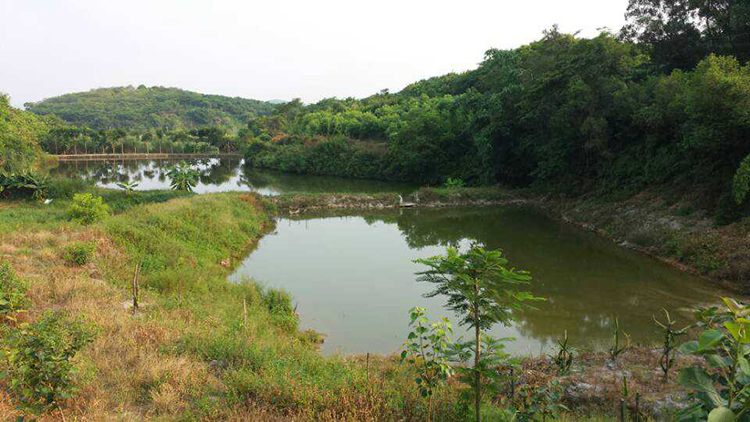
12	293
39	359
87	209
79	253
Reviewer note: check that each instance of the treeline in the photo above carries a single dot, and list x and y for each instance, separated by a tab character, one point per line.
71	140
142	109
565	113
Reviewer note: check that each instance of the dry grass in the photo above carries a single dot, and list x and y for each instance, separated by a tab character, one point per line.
124	365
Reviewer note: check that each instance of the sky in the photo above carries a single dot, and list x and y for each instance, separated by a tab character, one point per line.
274	49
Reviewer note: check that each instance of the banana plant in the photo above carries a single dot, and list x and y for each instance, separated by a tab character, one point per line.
183	177
129	187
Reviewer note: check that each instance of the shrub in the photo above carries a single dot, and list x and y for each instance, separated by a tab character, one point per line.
87	209
12	292
452	183
24	185
728	210
79	253
39	355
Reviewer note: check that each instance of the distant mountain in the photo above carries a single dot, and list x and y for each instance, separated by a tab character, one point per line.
145	108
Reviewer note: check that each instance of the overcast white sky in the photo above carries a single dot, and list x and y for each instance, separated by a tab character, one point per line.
270	49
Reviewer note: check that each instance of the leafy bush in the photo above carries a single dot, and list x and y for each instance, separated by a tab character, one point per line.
12	292
79	253
426	348
451	183
39	356
723	346
29	185
728	210
278	301
87	209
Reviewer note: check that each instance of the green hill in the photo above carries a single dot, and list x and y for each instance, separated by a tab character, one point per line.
145	108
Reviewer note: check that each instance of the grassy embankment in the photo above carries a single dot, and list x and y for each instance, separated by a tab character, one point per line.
189	353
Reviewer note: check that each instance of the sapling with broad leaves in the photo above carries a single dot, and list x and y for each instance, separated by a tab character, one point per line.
670	338
425	348
482	291
724	345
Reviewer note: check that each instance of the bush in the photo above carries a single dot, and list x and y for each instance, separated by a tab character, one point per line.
451	183
728	210
86	209
24	185
12	292
39	355
79	253
278	301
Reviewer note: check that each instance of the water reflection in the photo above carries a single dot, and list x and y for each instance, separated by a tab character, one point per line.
217	175
354	279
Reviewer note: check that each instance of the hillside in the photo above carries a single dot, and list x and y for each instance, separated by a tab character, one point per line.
145	108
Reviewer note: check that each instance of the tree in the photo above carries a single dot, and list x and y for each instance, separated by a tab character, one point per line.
20	134
680	33
482	291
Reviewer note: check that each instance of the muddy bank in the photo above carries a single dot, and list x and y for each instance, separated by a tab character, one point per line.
672	233
423	198
595	384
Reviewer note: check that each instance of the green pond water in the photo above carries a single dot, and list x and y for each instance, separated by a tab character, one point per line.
353	280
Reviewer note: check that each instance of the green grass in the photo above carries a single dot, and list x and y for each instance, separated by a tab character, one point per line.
182	244
31	215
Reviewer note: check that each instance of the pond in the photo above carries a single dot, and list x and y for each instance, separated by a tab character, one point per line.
353	278
217	175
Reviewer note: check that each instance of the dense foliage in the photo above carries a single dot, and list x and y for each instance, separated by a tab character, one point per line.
562	113
145	108
39	357
19	138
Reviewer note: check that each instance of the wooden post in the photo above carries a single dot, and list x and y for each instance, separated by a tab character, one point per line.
244	312
135	286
